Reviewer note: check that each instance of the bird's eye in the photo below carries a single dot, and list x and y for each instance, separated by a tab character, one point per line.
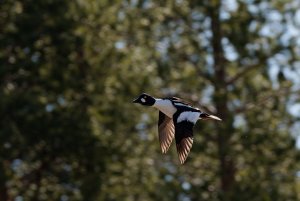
145	97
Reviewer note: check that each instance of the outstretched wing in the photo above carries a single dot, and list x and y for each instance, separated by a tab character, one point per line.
176	99
184	139
166	131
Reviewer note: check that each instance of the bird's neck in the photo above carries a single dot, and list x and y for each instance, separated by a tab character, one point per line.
165	106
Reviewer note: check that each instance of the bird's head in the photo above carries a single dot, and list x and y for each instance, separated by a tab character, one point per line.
206	116
145	99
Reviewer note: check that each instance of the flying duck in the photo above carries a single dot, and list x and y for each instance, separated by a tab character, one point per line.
176	118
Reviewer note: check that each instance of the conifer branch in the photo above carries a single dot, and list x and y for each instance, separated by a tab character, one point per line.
251	105
241	74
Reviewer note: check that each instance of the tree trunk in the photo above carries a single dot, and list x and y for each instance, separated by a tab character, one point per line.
226	169
3	189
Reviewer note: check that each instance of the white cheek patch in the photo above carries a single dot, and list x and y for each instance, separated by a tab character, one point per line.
143	100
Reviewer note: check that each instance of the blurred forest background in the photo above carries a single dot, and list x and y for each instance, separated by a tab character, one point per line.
70	69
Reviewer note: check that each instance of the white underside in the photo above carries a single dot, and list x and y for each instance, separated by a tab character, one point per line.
165	106
188	116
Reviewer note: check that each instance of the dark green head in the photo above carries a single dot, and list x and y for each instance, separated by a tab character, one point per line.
145	99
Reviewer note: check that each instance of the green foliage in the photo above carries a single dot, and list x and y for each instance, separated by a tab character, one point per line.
70	69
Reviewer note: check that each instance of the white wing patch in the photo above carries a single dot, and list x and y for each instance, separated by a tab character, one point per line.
188	116
181	104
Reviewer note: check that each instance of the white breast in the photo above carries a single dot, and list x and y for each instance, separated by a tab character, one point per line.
165	106
188	116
